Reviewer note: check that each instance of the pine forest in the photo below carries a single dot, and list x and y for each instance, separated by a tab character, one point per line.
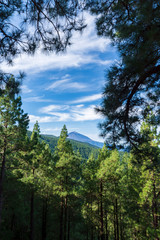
62	195
55	188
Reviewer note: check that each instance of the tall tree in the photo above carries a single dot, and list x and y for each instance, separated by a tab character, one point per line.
34	164
13	128
109	174
148	158
67	173
132	83
89	192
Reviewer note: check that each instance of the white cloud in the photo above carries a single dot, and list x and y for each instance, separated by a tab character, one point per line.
65	113
78	54
57	84
88	98
56	131
50	131
25	89
44	119
50	108
36	99
66	84
85	114
61	117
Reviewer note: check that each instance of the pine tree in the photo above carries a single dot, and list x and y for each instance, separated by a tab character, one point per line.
52	24
13	128
89	192
67	171
109	175
148	161
133	82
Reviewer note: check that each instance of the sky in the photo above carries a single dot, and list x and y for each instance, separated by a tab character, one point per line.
65	88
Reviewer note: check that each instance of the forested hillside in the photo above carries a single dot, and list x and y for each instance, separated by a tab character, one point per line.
84	149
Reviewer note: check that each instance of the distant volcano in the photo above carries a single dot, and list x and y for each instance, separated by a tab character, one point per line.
81	138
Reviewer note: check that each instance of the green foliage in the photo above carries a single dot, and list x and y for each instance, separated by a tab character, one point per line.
13	128
133	83
84	149
148	162
52	23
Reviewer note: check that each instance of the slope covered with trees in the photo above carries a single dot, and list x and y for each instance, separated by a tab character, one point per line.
84	149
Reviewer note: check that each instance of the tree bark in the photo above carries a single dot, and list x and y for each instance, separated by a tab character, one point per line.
98	224
155	211
117	223
106	225
68	235
91	220
101	212
115	232
121	227
65	218
2	178
44	218
61	221
12	221
32	214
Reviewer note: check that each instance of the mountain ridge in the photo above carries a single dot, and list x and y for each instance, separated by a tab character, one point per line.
82	138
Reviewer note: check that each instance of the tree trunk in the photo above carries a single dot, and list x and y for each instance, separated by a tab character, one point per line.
98	224
92	232
87	223
115	232
12	221
155	211
121	226
106	225
44	218
91	220
61	221
101	212
68	237
32	214
65	218
87	232
117	223
2	179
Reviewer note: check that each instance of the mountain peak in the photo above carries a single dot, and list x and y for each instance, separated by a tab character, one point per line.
82	138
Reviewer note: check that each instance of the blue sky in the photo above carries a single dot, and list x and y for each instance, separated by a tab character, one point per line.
65	88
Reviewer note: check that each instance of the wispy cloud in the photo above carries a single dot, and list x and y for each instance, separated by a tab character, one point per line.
88	99
66	83
50	108
51	131
70	113
40	119
85	114
56	131
57	84
36	99
78	54
25	89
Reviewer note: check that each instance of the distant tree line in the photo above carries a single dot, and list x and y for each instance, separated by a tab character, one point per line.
85	149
